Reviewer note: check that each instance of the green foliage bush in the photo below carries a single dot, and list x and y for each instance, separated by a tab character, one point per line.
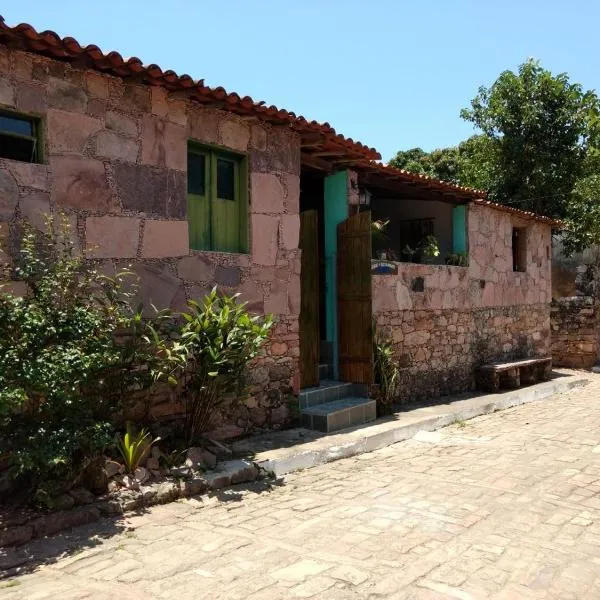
218	340
386	373
72	353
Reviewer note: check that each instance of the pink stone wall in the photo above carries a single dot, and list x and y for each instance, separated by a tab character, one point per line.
115	160
575	332
466	316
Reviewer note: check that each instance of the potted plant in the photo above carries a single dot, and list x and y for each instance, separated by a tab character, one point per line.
379	238
407	254
429	248
457	259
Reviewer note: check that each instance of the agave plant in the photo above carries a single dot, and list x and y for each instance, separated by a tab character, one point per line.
134	448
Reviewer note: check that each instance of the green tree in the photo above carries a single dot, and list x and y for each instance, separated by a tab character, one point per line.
583	215
469	164
539	129
442	163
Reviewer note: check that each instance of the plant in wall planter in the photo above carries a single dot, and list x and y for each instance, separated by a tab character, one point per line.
429	249
457	259
407	254
380	239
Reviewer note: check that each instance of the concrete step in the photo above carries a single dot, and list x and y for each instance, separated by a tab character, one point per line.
328	391
325	372
339	414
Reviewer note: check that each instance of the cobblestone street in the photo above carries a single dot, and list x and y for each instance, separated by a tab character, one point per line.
503	506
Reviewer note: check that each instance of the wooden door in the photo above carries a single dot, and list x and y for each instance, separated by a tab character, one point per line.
355	320
309	299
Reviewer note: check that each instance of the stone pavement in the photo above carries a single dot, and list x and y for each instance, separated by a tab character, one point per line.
504	506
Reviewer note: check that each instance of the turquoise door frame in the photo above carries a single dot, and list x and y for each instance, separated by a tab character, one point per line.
459	229
336	211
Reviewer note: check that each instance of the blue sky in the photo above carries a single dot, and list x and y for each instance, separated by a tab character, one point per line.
393	74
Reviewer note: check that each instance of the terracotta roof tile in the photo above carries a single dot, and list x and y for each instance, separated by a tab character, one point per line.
356	155
49	43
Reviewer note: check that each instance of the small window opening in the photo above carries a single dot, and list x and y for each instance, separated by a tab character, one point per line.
19	138
519	249
418	284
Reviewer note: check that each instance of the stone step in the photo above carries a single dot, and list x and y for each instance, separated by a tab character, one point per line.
325	372
328	391
339	414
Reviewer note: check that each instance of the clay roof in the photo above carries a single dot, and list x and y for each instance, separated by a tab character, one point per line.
525	214
49	43
322	147
448	191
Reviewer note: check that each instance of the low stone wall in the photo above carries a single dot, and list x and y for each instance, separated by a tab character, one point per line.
438	350
575	323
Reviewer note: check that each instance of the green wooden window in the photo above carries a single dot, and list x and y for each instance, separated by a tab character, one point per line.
19	137
217	200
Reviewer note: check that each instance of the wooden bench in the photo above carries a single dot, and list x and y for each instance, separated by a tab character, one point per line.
513	374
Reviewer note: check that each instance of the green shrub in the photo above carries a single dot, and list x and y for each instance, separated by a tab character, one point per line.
219	339
386	373
134	447
72	353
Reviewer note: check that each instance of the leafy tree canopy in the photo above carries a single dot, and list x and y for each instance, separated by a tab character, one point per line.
537	148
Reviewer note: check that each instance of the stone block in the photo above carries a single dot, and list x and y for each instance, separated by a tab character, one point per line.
112	237
7	93
252	294
276	302
34	207
15	288
30	175
80	183
9	196
69	132
31	97
151	190
265	231
114	146
203	124
96	85
164	144
122	123
294	295
292	192
290	232
196	268
96	108
160	105
234	134
22	65
135	99
66	96
228	276
267	193
178	112
156	286
258	137
4	60
163	239
281	154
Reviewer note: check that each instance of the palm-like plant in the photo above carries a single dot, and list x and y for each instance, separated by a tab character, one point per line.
134	447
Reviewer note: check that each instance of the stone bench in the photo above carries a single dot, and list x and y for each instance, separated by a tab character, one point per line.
513	374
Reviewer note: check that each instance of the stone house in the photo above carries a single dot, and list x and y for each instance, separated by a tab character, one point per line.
197	187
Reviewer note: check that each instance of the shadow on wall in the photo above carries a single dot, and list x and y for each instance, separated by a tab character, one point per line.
569	271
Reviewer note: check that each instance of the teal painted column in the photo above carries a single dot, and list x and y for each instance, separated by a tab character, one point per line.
459	229
336	211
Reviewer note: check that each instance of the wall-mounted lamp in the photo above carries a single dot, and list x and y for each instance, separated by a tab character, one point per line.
364	198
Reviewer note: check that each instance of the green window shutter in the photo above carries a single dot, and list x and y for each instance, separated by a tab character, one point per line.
226	210
217	200
198	212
